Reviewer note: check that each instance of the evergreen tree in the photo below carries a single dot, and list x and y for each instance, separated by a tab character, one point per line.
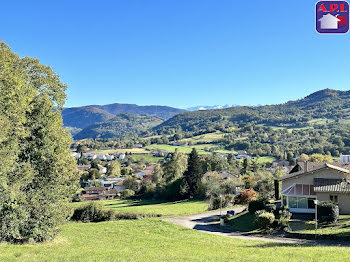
38	176
245	167
290	158
193	175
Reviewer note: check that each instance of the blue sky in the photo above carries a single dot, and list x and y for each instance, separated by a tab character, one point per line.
179	53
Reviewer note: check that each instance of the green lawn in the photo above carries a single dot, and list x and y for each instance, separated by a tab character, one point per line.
187	149
121	150
266	159
342	227
243	222
176	208
155	240
205	138
145	158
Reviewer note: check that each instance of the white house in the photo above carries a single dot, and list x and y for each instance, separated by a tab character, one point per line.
102	157
102	169
329	21
90	156
75	155
344	158
110	157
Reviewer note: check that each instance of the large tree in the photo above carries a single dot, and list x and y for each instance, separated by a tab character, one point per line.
194	173
114	169
37	174
174	167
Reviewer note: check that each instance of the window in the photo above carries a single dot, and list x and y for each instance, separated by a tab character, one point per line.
299	202
293	202
333	198
310	203
302	202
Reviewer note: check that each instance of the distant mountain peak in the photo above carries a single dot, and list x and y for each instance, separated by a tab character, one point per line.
195	108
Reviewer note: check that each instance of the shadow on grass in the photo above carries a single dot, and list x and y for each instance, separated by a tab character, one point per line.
144	202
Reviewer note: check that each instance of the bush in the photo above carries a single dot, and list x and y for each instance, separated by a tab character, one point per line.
327	212
256	205
96	212
284	217
215	201
264	219
245	196
92	212
127	193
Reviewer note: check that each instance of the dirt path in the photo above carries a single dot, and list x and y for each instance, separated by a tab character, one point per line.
208	223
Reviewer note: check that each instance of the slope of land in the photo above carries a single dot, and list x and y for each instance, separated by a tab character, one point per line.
156	240
123	125
324	104
81	117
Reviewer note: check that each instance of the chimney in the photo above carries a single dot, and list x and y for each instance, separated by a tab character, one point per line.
305	166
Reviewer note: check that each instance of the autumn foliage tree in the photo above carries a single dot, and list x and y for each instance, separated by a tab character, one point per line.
37	175
245	196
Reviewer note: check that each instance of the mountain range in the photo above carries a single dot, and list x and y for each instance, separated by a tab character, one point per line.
324	104
100	120
209	107
81	117
121	125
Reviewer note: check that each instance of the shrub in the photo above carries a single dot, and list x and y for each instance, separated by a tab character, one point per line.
147	190
327	212
278	211
215	201
284	217
92	212
127	193
245	196
96	212
256	205
264	219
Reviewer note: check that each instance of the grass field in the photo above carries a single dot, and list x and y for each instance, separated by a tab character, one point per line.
122	150
342	227
155	240
186	149
205	138
152	239
266	159
176	208
145	158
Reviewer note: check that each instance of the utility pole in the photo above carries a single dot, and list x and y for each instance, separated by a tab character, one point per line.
316	202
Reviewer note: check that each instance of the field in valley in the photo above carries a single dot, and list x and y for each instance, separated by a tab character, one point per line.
155	240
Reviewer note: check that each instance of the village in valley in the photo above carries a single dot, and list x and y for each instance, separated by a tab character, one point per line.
190	131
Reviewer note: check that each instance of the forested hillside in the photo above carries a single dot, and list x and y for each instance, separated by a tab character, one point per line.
322	105
81	117
318	123
120	126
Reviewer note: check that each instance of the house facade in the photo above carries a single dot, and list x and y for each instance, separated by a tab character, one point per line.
307	182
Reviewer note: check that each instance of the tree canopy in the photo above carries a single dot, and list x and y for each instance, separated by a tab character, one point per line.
37	174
